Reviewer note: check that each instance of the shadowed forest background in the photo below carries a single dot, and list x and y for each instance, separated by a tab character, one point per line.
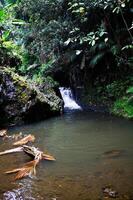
85	45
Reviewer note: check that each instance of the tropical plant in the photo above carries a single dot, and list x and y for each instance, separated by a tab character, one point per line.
10	45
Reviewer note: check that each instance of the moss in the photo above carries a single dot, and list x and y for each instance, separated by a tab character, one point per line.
15	77
25	102
24	97
20	83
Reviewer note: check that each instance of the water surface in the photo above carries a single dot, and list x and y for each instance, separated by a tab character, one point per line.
79	141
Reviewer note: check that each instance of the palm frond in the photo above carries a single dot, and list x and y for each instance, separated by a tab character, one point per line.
28	169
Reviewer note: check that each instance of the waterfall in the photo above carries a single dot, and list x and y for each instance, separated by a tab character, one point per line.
68	99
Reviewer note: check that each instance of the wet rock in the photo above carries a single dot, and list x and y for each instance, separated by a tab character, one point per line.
21	101
109	192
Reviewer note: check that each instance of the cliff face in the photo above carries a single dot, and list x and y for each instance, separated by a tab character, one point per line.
21	101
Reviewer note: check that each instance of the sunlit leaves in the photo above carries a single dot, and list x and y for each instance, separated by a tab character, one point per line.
5	35
93	37
67	41
2	15
78	8
127	47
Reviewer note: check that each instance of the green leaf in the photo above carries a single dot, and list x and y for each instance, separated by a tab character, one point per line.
91	33
5	35
93	42
106	39
67	41
116	9
2	15
130	90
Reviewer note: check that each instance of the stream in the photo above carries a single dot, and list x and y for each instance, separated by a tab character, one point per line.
92	150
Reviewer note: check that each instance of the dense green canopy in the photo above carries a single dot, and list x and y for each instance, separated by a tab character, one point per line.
88	42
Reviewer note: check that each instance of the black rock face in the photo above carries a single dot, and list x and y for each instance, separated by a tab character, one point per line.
21	101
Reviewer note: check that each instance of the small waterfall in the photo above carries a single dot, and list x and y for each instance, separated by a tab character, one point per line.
68	99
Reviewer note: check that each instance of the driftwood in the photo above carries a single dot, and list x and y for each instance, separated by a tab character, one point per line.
32	151
25	140
15	150
3	132
29	168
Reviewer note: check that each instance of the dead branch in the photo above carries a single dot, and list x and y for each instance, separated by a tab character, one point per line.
14	150
25	140
32	151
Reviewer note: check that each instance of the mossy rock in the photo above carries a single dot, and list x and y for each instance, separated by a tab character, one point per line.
21	101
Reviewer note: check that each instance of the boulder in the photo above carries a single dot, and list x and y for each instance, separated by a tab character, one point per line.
22	101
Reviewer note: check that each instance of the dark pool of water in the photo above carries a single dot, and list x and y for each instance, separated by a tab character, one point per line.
79	141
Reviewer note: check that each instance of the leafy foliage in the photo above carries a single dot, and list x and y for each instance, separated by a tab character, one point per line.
122	107
89	40
10	46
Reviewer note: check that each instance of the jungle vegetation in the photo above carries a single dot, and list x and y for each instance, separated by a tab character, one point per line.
87	42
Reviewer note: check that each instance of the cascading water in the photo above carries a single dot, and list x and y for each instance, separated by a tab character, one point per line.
67	96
